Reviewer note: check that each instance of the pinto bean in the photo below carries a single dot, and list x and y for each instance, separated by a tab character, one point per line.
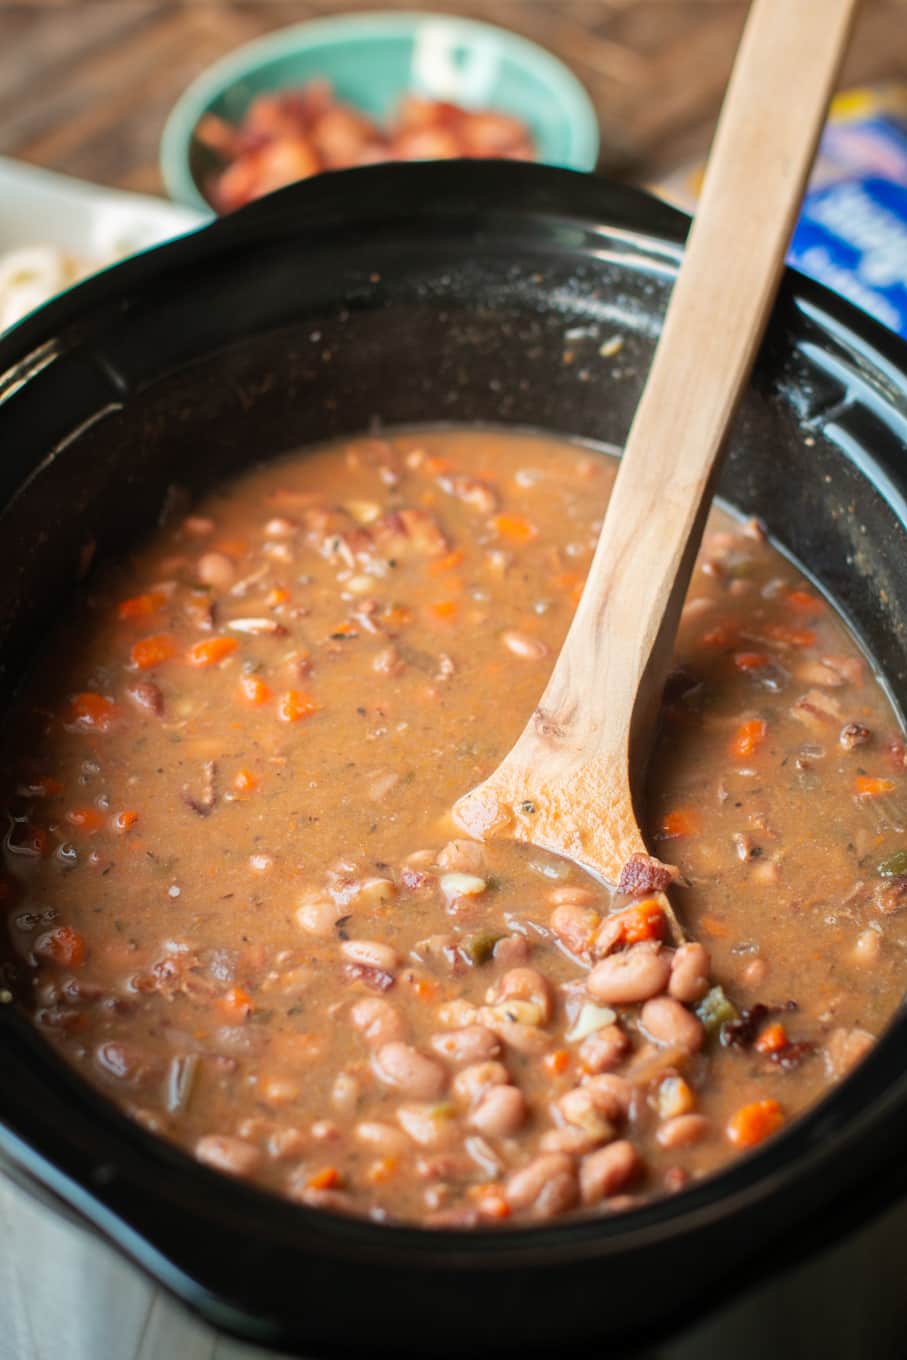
227	1154
572	1139
409	1071
582	1108
511	951
471	1045
571	895
689	973
546	1186
671	1025
472	1083
345	1093
516	1033
629	977
500	1112
523	984
615	1095
318	914
462	857
603	1050
683	1130
215	569
428	1125
604	1172
371	954
575	926
381	1139
377	1021
844	1048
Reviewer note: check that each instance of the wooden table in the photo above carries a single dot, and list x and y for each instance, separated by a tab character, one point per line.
85	85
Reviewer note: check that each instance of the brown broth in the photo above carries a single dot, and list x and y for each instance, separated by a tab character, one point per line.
235	765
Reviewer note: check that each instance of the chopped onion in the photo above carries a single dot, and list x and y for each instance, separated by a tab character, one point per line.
590	1018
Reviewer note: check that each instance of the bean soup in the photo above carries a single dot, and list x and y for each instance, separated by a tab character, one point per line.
237	903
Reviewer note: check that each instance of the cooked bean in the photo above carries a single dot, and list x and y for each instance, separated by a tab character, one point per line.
572	1139
523	984
615	1095
371	954
215	569
671	1025
844	1048
868	947
471	1084
516	1033
407	1070
377	1021
462	857
428	1124
227	1154
610	1169
500	1112
511	951
575	926
381	1139
683	1130
629	977
603	1050
345	1093
318	914
689	973
522	645
547	1185
582	1108
471	1045
571	895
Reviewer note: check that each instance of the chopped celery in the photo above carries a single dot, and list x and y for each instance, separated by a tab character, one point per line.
715	1010
479	947
894	865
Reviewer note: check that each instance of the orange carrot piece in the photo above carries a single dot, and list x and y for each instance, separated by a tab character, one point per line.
714	927
381	1170
753	1123
751	661
721	637
772	1039
86	819
279	595
868	786
643	921
140	606
748	738
515	529
444	610
254	690
325	1179
236	1004
682	821
294	705
791	637
93	712
556	1063
63	945
424	988
153	651
210	651
125	821
804	601
446	563
245	781
492	1203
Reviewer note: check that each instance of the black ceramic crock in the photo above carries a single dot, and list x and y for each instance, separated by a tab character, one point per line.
460	292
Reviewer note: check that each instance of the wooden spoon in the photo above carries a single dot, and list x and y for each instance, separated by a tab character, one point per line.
568	783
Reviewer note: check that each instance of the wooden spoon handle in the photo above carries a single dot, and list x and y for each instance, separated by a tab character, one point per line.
623	631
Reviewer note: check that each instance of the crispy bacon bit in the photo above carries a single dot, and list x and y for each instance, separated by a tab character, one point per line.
742	1033
644	874
206	804
377	978
854	734
146	695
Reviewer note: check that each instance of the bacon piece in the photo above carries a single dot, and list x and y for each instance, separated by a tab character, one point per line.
644	874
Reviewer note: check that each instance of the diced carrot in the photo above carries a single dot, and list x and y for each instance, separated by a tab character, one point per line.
867	786
253	689
437	466
294	705
643	921
325	1179
556	1063
93	712
714	927
682	821
140	606
424	988
804	601
748	738
443	610
396	616
245	781
446	563
153	651
210	651
125	821
493	1204
236	1004
752	1123
751	661
772	1039
63	945
344	629
86	819
515	529
721	637
791	637
279	595
571	583
381	1170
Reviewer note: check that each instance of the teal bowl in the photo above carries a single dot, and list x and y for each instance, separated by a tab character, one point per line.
373	59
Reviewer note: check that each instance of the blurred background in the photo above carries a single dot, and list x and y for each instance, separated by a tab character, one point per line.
86	85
